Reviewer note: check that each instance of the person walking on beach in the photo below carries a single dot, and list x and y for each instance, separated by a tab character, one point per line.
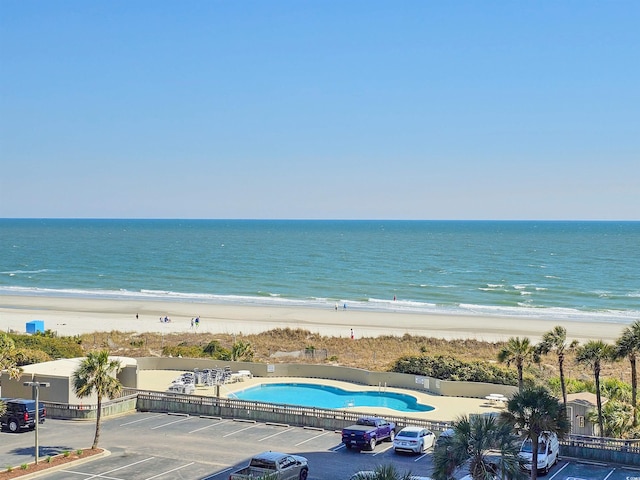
192	324
197	322
352	337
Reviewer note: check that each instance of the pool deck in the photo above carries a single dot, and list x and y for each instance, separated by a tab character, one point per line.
445	408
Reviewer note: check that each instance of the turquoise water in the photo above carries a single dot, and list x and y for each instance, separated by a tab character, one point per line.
553	270
322	396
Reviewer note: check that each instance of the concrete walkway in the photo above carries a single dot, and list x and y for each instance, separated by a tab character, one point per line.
446	409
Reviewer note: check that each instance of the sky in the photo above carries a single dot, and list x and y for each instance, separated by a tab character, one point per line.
320	109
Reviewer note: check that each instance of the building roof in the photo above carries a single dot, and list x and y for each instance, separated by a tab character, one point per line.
66	366
585	398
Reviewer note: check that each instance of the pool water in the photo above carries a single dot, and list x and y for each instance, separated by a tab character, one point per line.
322	396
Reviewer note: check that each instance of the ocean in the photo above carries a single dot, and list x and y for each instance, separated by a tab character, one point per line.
543	269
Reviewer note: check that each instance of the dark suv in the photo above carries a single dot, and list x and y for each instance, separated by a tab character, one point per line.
21	413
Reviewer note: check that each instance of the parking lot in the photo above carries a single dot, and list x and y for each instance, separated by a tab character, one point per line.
591	471
147	446
151	445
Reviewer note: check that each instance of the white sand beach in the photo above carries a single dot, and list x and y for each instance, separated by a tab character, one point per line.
70	316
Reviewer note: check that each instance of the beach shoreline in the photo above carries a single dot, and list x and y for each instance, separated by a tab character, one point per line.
74	316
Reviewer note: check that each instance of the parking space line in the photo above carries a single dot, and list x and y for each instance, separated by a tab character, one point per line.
276	434
209	426
381	452
101	475
238	431
169	471
83	474
339	447
589	462
219	473
420	457
312	438
170	423
559	470
142	419
609	474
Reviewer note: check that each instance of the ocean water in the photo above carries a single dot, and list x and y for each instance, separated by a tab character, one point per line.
555	270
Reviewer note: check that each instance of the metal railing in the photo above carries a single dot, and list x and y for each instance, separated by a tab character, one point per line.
126	402
268	412
602	443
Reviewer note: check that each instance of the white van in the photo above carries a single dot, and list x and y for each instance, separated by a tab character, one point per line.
548	452
449	432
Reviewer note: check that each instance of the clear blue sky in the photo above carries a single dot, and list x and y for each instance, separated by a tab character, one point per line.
320	109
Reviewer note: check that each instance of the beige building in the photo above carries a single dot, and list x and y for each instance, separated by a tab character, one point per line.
578	407
58	374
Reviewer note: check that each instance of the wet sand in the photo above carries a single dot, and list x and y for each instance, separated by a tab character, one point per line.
71	316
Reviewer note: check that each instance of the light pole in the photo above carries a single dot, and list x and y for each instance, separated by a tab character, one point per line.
35	393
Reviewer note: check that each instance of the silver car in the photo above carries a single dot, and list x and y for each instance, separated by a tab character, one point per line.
413	439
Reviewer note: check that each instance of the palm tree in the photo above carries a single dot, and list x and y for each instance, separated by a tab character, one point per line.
556	340
476	440
96	374
533	412
383	472
628	345
520	352
7	362
8	356
592	354
617	417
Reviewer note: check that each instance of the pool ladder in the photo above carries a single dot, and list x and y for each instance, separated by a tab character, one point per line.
382	388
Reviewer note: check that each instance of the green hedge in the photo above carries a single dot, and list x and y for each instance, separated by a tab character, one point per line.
54	347
212	350
450	368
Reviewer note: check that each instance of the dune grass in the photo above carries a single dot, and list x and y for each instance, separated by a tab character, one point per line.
371	353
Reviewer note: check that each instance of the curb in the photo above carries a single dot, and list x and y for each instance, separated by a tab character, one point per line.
80	461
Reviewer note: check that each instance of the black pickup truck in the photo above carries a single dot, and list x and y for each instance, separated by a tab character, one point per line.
20	414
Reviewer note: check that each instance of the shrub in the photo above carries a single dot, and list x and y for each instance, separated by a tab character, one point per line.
66	453
212	348
47	333
450	368
49	459
62	347
242	351
24	466
182	351
572	385
616	389
28	356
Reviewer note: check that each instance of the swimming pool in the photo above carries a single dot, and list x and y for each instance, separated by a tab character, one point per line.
322	396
